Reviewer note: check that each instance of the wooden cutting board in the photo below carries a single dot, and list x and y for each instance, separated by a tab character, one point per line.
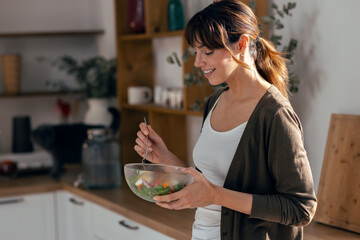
339	189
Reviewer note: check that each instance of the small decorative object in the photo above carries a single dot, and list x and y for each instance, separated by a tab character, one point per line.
8	167
64	110
11	66
175	15
135	16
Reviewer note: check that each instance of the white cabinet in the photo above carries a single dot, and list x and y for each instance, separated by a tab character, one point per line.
74	215
65	216
108	225
28	217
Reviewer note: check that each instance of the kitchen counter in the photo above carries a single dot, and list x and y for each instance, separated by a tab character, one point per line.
176	224
120	200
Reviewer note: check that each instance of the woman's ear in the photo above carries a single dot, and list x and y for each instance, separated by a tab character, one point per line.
243	43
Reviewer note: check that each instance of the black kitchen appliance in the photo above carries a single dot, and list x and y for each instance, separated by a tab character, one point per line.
21	131
64	141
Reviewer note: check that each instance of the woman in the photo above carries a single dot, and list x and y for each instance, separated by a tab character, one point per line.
253	180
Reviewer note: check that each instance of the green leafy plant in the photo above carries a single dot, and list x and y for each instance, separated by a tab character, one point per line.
96	76
190	78
275	20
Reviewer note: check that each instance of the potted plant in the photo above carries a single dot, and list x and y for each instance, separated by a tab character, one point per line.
97	80
96	76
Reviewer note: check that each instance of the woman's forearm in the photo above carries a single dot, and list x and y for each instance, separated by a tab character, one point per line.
238	201
172	159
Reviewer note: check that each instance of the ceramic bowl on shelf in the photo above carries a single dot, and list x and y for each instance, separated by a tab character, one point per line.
155	179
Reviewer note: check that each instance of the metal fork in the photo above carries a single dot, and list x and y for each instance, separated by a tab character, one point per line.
147	147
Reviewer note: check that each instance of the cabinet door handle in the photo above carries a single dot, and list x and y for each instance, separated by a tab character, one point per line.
123	223
76	202
11	201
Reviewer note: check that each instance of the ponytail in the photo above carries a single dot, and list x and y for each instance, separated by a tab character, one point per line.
271	65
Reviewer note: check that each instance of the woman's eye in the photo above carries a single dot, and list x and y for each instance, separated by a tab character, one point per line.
209	53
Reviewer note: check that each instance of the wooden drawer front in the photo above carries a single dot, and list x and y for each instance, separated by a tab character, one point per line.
108	225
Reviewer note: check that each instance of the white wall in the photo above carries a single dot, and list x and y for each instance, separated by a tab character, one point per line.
49	15
327	61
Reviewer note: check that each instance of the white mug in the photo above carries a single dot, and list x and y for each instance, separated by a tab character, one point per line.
139	95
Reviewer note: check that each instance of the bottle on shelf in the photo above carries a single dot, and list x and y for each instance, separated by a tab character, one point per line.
175	15
135	16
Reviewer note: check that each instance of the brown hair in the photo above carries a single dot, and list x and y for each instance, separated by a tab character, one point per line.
222	23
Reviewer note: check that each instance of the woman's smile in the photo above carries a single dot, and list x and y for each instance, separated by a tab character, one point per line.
208	72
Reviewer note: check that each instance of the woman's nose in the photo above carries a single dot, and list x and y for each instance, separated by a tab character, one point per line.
198	61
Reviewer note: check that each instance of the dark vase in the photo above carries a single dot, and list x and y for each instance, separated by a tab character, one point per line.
135	16
175	15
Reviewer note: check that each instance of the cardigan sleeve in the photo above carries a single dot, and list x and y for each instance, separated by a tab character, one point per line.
293	202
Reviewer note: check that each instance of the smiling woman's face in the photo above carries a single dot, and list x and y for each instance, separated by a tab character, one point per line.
217	64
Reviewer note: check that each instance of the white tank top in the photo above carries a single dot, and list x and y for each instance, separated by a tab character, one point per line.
213	154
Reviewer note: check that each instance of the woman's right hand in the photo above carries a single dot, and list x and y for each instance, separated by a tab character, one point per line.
157	147
157	152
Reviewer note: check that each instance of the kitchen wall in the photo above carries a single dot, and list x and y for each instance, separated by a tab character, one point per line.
327	62
40	16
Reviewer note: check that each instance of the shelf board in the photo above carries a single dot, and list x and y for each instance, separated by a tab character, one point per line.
37	94
143	36
52	33
160	109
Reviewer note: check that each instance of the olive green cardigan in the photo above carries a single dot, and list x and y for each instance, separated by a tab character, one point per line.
271	164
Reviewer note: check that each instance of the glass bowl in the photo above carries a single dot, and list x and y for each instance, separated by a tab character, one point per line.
155	179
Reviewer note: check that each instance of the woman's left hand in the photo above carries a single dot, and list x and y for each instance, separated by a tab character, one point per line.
201	192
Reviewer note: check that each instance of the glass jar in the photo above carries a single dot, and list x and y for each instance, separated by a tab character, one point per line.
101	160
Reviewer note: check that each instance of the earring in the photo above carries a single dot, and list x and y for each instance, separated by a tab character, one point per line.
242	54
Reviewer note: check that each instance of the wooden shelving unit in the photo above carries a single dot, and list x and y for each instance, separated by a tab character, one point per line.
90	33
136	67
159	109
52	33
134	37
37	94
